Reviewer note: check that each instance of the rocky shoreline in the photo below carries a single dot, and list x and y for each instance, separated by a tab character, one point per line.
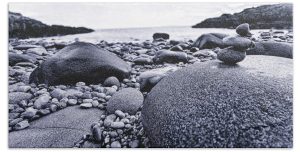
149	62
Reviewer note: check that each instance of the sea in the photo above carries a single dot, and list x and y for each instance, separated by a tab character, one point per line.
141	34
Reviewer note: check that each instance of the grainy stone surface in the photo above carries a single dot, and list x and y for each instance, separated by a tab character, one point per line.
60	129
216	105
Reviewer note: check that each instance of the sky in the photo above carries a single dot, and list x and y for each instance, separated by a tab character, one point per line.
126	15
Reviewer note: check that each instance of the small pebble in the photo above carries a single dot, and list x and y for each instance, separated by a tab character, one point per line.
86	105
72	102
117	125
115	144
120	114
21	125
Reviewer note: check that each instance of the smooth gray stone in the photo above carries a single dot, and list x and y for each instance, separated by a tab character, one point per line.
212	104
58	129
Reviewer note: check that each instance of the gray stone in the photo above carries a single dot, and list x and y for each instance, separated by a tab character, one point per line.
230	56
280	49
60	129
149	79
205	53
58	93
161	36
117	125
16	97
23	88
170	57
142	61
86	105
216	105
115	144
38	51
110	81
120	114
17	58
238	43
72	102
25	46
210	40
80	61
21	125
243	29
29	113
41	101
128	100
97	133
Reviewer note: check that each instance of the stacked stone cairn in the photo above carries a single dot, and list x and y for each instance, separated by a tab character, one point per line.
236	46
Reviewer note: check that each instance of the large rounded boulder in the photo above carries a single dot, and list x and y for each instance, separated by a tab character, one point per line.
212	104
271	48
80	62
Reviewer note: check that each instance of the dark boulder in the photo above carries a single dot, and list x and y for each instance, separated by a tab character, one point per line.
243	30
17	58
210	40
280	49
170	57
161	35
80	62
216	105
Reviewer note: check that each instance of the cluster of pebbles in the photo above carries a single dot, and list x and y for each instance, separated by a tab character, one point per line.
28	102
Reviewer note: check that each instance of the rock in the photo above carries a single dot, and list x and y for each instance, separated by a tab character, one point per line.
25	46
120	114
117	125
143	51
210	41
21	125
58	93
161	35
23	88
97	133
29	113
23	27
60	129
134	144
149	79
109	119
280	49
72	102
177	48
217	105
170	57
17	58
80	62
53	107
16	97
282	20
142	61
95	103
230	56
205	53
115	144
42	101
86	105
37	50
111	81
15	121
243	30
238	43
128	100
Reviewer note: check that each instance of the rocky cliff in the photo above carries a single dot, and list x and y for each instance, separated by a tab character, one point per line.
278	16
25	27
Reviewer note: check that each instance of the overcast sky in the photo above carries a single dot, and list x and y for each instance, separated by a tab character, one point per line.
123	15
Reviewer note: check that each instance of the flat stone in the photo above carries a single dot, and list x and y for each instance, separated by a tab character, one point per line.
59	129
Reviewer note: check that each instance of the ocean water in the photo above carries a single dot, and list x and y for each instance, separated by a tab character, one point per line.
142	34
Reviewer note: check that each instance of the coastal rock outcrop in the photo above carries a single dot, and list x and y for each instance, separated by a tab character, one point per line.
25	27
262	17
